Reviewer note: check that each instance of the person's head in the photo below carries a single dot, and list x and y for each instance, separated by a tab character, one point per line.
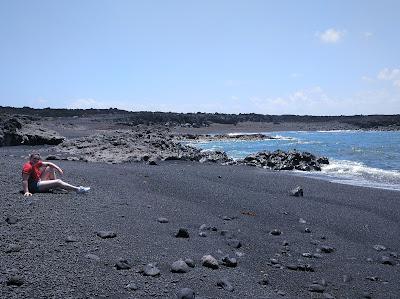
34	158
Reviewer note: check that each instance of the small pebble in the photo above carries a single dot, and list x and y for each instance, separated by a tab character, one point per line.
379	247
275	232
185	293
235	243
225	284
123	265
182	233
162	220
317	288
179	267
151	270
15	281
229	261
210	262
106	234
11	220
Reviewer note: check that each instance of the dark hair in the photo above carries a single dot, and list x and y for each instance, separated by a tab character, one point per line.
33	155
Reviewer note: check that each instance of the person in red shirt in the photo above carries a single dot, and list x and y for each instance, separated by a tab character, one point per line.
39	176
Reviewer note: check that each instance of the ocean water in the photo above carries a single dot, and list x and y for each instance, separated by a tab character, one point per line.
364	158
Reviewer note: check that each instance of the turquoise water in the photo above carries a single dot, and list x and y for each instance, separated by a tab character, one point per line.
367	158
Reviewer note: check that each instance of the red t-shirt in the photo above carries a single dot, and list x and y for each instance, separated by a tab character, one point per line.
33	170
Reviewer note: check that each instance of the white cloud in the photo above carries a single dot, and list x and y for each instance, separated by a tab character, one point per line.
368	34
315	101
392	75
367	79
331	36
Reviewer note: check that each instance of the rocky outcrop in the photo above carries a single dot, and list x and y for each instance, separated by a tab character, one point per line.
23	131
224	137
280	160
142	143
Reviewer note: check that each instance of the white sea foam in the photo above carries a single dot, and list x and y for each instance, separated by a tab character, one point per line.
350	172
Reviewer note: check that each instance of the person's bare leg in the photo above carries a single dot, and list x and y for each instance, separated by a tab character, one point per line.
48	173
51	184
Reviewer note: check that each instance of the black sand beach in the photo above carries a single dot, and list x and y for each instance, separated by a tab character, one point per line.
325	248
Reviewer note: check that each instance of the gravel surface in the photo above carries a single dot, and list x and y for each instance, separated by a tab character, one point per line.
337	241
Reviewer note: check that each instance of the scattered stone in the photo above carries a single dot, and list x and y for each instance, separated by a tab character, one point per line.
317	288
379	247
11	220
302	221
13	248
162	220
226	218
204	227
347	278
372	278
292	267
71	239
275	232
151	162
307	254
182	233
328	296
305	267
132	286
264	281
186	293
367	295
317	255
235	243
106	234
327	249
15	281
202	234
210	262
92	257
179	266
387	261
285	243
369	260
151	270
274	261
123	265
229	261
298	191
225	284
307	230
190	263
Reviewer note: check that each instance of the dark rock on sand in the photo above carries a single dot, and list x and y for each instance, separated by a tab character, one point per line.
210	262
13	248
179	266
280	160
132	286
317	288
229	261
387	261
298	191
15	281
379	247
235	243
162	220
123	265
11	220
71	239
327	249
185	293
21	130
182	233
151	270
190	263
225	284
275	232
106	234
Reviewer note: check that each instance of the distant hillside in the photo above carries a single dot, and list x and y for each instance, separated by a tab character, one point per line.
204	119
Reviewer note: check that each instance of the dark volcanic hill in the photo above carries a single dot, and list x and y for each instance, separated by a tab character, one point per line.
199	119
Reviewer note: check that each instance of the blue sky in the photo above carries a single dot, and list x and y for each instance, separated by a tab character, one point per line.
270	57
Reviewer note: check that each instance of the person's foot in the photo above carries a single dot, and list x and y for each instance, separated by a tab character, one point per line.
83	190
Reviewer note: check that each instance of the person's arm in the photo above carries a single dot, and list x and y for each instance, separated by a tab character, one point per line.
25	178
53	166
